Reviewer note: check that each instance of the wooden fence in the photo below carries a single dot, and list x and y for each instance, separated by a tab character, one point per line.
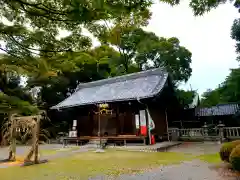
203	134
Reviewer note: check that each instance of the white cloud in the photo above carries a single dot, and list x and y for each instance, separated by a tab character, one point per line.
207	37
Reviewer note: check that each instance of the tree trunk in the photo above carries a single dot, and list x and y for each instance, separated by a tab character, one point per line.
30	154
33	152
12	149
36	141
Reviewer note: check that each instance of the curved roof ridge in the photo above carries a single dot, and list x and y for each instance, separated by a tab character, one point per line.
110	80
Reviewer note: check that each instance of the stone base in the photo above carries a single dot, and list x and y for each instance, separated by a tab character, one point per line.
99	151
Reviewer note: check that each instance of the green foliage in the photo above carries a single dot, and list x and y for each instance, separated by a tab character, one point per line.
227	149
235	158
15	104
235	34
185	98
144	50
203	6
34	26
210	98
228	91
54	65
13	97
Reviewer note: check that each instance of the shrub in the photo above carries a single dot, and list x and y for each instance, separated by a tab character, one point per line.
235	158
227	148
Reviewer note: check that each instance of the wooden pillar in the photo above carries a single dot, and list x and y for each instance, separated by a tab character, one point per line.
133	124
122	119
147	126
118	120
166	120
36	141
91	124
139	120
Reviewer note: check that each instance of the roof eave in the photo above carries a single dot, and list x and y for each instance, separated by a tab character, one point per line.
107	101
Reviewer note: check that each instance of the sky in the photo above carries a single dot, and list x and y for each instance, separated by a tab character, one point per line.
207	37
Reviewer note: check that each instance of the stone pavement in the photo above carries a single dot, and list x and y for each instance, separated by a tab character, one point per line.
197	148
163	146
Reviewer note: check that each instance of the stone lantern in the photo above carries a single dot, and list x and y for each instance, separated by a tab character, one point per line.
221	131
205	129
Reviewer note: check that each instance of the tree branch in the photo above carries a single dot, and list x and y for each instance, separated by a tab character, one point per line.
9	53
46	9
48	17
28	48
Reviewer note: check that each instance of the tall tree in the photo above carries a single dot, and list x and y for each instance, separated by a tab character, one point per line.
13	97
235	34
185	98
30	32
211	98
92	64
35	24
141	50
227	92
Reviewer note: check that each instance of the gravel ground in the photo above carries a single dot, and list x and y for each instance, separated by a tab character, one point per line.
197	148
194	170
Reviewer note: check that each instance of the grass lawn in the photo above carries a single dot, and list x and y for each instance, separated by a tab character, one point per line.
210	158
46	152
54	151
87	164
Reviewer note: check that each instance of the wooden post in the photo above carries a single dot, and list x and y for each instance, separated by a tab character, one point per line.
36	143
99	126
12	152
147	127
167	124
139	130
117	119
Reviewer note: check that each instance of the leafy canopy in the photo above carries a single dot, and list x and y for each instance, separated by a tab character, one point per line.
200	7
140	50
31	29
31	32
228	91
34	25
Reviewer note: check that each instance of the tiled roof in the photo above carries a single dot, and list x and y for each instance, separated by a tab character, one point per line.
219	110
139	85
